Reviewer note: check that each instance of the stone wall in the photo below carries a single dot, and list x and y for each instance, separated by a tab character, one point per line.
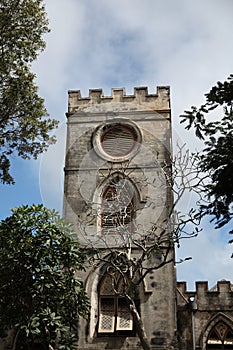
202	309
85	173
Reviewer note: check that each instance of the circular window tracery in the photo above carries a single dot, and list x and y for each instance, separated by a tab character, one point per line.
117	141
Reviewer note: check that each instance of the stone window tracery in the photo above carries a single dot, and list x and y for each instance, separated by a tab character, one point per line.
117	207
220	337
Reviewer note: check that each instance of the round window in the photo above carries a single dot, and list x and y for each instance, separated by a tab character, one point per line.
117	141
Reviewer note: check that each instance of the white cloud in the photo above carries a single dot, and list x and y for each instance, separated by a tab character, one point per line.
210	254
129	43
51	171
64	45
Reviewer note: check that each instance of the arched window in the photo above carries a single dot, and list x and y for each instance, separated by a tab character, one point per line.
114	311
118	207
220	337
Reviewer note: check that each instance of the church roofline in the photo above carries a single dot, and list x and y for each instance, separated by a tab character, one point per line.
118	95
219	295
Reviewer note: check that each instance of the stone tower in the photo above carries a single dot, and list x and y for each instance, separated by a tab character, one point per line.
117	196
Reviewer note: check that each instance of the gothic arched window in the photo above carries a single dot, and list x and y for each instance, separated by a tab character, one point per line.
220	337
117	207
114	311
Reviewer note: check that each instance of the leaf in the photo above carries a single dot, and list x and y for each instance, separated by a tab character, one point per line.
216	160
38	283
25	125
199	133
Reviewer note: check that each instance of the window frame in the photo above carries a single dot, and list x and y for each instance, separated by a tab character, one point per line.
120	222
100	133
117	300
219	334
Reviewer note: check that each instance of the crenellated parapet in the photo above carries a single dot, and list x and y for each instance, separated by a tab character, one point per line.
141	97
219	297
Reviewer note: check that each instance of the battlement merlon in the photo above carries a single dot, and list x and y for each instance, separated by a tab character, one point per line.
221	293
140	98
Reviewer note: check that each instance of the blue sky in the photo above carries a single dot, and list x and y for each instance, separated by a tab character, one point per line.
129	43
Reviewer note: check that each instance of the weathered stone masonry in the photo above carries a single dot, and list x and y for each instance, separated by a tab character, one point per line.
174	318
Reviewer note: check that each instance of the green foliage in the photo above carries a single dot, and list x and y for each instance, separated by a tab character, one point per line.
40	295
216	158
24	122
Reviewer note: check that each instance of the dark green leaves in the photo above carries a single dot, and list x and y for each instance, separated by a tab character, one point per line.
216	158
24	122
40	295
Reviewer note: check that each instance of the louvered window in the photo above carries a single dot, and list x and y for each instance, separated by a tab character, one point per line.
124	317
107	315
117	208
118	140
114	312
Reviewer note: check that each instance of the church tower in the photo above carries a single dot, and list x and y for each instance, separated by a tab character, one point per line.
118	195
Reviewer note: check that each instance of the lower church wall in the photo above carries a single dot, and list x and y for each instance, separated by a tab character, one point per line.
156	301
199	311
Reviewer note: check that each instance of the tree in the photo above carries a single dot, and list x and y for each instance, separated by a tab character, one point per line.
24	122
40	295
216	159
140	250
